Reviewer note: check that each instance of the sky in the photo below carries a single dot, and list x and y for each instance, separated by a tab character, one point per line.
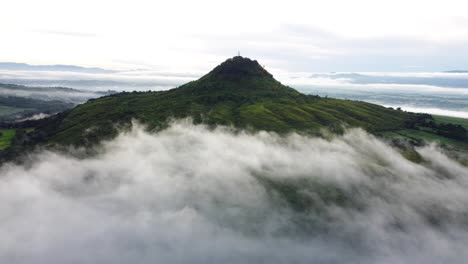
195	36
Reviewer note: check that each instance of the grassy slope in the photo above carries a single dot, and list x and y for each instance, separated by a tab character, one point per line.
6	138
94	120
452	120
427	135
238	92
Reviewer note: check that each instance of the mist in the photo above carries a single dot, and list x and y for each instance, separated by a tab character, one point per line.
49	93
433	93
432	111
190	194
139	80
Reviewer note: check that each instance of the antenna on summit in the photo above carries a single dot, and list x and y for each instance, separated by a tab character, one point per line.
238	53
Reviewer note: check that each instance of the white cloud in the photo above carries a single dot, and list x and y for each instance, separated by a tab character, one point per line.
193	195
432	111
433	93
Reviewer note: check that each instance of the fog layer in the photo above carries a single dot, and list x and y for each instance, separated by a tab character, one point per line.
193	195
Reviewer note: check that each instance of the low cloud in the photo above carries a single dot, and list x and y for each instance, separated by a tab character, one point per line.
433	93
35	117
433	111
120	80
193	195
50	94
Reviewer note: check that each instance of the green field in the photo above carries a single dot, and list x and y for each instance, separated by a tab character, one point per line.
6	137
452	120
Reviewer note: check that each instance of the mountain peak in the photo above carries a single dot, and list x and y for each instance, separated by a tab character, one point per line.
238	76
239	67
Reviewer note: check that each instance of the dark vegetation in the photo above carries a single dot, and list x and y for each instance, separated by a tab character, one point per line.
15	107
18	101
238	93
427	122
16	87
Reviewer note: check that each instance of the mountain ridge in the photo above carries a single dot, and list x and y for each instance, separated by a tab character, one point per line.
238	93
55	67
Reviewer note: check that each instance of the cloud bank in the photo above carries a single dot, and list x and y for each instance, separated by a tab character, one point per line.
434	93
193	195
140	79
433	111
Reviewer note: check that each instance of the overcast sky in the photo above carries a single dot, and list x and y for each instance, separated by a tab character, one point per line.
188	36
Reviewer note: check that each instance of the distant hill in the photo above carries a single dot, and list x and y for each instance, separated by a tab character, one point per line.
19	101
70	68
16	87
13	108
456	71
238	93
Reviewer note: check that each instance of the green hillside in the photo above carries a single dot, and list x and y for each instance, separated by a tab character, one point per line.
238	92
6	137
452	120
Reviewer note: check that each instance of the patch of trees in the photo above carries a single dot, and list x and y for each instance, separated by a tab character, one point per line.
450	131
416	120
453	131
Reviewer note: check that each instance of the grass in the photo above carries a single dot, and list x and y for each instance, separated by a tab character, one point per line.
451	120
241	94
278	112
6	138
